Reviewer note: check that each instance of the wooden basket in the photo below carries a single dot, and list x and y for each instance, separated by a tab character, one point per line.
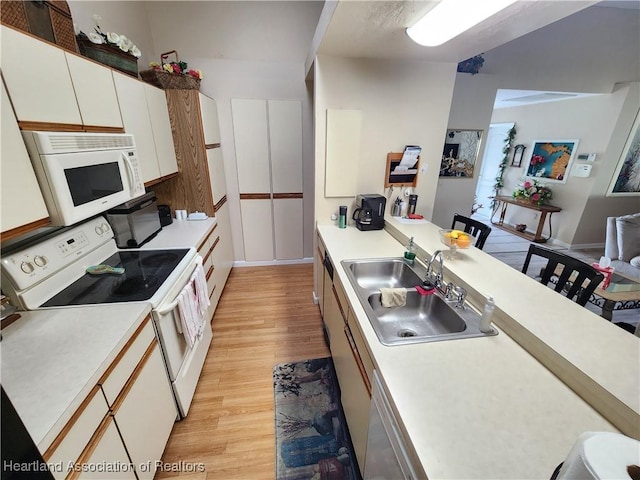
169	81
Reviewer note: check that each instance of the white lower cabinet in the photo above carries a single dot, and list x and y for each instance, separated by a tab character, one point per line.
106	457
146	414
121	429
257	229
287	219
354	385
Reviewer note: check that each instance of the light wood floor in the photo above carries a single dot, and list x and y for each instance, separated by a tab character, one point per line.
266	316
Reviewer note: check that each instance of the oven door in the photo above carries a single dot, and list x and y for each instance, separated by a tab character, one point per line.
183	364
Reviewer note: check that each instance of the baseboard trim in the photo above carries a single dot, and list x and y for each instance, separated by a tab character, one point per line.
268	263
587	246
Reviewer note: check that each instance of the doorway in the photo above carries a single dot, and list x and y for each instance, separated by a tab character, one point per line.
493	155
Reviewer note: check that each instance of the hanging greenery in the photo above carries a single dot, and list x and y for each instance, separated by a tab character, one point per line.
511	134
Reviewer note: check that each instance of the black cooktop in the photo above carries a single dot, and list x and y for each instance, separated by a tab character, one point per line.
144	272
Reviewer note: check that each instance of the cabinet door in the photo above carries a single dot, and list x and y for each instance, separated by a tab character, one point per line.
38	80
216	174
161	127
257	229
224	256
106	448
22	201
285	142
210	124
136	120
95	92
287	225
251	140
147	413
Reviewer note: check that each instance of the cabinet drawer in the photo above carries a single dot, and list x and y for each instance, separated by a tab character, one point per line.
122	367
341	296
71	442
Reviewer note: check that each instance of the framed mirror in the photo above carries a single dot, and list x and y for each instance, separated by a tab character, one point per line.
460	153
518	153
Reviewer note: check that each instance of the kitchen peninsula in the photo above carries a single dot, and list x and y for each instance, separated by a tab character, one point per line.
507	406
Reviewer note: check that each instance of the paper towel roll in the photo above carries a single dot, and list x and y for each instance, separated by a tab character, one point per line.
600	456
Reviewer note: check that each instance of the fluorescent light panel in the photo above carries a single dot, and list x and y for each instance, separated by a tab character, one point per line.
450	18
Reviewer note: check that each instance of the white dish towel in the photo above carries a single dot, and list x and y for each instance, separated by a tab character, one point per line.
193	302
393	297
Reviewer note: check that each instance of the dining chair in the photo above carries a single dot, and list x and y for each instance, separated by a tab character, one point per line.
572	277
475	228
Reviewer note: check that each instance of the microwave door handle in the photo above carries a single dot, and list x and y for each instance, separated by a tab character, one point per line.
130	174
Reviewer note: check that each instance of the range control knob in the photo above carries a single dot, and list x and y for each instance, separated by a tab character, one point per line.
105	227
27	267
40	261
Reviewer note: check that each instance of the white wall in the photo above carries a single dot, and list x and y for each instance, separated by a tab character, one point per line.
471	109
402	103
591	120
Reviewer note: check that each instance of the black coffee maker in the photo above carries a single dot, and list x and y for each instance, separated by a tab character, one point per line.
369	212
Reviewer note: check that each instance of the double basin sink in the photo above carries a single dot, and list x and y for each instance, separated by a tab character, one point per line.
423	318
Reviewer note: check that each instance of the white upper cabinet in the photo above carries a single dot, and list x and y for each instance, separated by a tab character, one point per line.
251	138
161	127
22	201
136	120
95	92
216	174
210	124
285	140
38	80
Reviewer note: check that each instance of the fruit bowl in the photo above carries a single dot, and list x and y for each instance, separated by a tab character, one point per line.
455	239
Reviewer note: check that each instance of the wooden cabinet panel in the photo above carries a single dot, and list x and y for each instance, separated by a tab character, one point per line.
147	413
210	124
37	79
95	92
250	132
287	225
22	201
216	174
285	142
136	120
257	229
161	128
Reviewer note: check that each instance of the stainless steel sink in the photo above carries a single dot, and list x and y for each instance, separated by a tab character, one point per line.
424	318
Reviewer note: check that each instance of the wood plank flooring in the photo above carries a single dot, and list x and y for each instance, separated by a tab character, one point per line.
266	316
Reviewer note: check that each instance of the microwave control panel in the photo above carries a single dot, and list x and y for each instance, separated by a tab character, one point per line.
37	262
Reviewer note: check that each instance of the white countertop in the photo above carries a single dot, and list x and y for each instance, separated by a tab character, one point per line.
181	234
51	359
479	407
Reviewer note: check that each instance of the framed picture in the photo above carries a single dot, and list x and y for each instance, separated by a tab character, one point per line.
551	160
460	153
626	177
518	153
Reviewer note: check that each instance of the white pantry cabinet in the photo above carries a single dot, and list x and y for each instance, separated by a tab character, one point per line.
210	124
22	201
268	141
138	102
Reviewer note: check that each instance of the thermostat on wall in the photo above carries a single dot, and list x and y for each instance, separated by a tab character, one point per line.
581	170
586	157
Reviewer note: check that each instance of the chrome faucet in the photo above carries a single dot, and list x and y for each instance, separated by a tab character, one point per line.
437	279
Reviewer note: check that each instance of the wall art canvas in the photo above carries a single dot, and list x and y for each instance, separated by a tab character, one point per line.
626	177
460	153
551	159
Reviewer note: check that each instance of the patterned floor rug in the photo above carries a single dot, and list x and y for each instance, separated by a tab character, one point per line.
312	438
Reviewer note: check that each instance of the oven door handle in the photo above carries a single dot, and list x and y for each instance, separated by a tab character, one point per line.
171	306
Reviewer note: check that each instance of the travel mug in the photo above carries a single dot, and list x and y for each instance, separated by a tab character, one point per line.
413	200
343	217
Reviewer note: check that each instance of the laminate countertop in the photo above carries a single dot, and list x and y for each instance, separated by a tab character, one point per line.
494	407
181	234
51	360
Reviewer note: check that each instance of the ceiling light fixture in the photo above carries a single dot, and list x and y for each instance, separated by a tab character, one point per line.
450	18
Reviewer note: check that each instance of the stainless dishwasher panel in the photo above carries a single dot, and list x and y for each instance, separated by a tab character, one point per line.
386	455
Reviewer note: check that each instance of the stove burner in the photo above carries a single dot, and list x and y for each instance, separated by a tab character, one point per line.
158	259
134	284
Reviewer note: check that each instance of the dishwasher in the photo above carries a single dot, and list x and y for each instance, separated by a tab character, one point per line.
386	455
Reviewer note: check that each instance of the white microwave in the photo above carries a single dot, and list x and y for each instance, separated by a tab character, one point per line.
84	174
